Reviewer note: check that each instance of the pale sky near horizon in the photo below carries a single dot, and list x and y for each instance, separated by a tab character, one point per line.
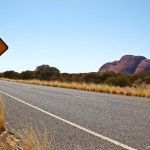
72	35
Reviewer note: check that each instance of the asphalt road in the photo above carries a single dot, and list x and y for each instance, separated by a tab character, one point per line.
79	120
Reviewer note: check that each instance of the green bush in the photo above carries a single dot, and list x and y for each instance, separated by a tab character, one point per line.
27	74
121	81
147	79
104	76
65	77
11	74
91	78
45	72
77	78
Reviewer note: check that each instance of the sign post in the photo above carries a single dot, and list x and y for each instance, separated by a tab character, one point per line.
3	47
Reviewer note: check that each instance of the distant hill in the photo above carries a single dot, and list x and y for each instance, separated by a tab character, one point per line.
128	64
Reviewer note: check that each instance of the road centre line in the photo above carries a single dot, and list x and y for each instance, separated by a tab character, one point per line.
73	124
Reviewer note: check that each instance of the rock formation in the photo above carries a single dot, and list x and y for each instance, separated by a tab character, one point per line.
128	64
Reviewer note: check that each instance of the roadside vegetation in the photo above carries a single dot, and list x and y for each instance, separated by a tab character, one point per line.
31	139
108	82
141	91
28	139
2	117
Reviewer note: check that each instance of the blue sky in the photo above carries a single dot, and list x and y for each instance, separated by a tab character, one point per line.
72	35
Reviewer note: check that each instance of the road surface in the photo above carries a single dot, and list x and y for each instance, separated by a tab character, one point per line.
79	120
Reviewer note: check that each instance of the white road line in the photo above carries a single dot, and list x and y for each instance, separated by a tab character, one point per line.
74	124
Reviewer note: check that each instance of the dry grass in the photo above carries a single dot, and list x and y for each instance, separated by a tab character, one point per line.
2	117
30	139
141	91
34	140
8	142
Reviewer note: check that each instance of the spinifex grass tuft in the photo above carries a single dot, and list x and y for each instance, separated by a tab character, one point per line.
29	139
34	140
2	117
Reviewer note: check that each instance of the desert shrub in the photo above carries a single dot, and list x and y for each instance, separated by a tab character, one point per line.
91	78
45	72
55	77
147	79
11	74
104	76
1	75
77	77
27	74
132	78
65	77
121	81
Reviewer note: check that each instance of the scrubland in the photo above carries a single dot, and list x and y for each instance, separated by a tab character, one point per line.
106	82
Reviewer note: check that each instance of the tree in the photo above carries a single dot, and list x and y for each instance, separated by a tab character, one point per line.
45	72
27	74
11	74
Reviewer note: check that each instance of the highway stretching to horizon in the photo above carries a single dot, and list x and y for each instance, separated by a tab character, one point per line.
78	120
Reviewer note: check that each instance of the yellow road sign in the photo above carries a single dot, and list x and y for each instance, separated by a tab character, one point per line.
3	47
